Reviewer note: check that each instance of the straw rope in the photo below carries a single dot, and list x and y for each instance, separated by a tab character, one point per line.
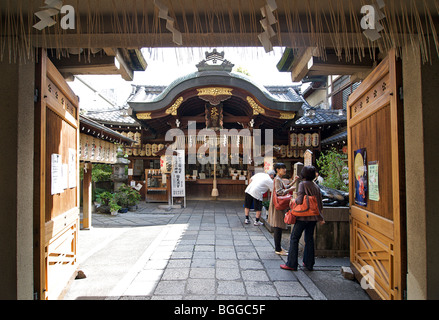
234	23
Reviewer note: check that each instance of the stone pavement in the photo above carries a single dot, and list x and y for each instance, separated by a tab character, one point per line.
201	252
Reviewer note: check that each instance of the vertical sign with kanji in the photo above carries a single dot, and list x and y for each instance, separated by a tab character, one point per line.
177	176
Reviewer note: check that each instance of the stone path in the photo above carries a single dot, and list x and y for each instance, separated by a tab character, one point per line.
204	251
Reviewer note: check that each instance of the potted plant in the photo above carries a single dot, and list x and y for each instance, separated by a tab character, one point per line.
114	207
121	198
133	199
104	199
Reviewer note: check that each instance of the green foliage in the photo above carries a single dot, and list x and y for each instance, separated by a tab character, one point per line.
101	172
334	170
114	206
266	204
127	196
104	198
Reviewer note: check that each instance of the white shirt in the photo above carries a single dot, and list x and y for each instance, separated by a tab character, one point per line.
261	183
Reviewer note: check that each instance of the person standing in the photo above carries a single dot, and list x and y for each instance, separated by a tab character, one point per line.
276	217
259	184
307	224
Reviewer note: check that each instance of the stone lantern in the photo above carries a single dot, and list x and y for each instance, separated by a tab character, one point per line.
119	176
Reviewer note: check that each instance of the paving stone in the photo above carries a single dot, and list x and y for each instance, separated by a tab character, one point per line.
179	263
200	286
264	289
227	274
176	274
202	273
254	275
290	288
225	255
277	274
227	264
231	288
170	288
250	264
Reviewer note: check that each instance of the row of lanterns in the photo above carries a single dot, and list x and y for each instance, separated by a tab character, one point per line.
148	150
289	152
138	149
96	150
304	140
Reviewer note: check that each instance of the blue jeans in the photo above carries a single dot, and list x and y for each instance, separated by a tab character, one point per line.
308	254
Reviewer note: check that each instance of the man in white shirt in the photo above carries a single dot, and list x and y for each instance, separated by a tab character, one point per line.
259	184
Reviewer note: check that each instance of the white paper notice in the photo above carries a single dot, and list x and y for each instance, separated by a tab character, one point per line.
56	173
65	177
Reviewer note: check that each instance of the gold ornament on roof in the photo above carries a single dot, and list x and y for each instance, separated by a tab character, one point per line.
215	91
144	116
287	115
257	109
173	109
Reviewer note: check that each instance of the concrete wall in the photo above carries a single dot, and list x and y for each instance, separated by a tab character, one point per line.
16	176
421	114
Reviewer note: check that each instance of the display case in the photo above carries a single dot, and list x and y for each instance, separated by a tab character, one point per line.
157	186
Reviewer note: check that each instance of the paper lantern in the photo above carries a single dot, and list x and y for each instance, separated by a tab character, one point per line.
143	151
308	140
302	152
296	153
300	140
293	139
148	150
93	149
154	149
315	139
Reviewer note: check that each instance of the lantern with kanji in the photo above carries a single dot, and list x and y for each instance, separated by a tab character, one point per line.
293	139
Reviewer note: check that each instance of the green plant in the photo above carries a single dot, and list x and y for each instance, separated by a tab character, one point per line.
333	169
266	204
114	206
133	196
121	199
104	198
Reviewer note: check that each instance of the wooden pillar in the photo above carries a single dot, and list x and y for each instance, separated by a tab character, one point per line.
87	197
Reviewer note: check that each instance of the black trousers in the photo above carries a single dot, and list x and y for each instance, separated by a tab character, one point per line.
277	235
308	253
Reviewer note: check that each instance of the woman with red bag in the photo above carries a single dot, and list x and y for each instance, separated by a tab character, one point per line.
307	223
275	216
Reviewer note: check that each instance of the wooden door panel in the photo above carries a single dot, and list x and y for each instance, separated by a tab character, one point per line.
56	215
377	228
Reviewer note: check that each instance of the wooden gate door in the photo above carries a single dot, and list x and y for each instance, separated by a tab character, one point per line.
376	182
56	213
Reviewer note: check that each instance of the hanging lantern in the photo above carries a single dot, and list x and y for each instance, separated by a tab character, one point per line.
293	139
300	140
154	149
113	155
81	146
308	140
142	151
296	153
315	140
148	150
93	149
302	152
